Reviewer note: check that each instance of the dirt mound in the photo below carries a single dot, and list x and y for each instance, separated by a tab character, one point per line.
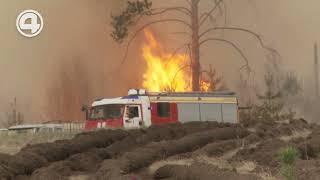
299	124
310	147
144	156
265	154
36	156
5	170
271	129
60	150
110	169
88	161
219	148
307	169
251	139
198	172
120	154
267	130
160	133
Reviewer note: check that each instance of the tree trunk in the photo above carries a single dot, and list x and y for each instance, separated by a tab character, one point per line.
195	57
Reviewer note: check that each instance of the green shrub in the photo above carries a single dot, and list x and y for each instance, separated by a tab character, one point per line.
287	157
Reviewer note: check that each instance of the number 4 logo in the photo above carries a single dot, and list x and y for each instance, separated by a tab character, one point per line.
27	23
33	26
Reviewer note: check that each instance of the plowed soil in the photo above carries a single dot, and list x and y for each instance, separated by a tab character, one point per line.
198	150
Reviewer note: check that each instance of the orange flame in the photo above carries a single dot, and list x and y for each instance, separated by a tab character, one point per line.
204	86
166	71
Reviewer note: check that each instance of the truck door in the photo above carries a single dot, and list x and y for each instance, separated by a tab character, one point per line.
132	117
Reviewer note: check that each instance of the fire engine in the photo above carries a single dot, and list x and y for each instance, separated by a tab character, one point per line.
140	109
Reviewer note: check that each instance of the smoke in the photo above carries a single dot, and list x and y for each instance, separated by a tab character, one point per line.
75	56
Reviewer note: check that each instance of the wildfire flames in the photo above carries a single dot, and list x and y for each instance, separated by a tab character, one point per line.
166	71
204	86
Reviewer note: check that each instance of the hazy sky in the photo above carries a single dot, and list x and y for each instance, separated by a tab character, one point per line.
79	30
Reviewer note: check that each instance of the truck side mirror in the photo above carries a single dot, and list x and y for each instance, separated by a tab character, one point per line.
84	108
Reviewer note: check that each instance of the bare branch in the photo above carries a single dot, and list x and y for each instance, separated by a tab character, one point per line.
211	74
246	65
178	71
180	68
178	49
257	36
222	11
208	14
146	25
184	66
204	14
153	12
216	1
163	10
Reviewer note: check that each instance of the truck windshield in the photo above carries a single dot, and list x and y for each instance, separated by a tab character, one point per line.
111	111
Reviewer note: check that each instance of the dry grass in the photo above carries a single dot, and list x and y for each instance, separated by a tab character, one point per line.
246	167
267	176
249	167
222	162
11	143
218	162
156	165
296	134
79	177
197	157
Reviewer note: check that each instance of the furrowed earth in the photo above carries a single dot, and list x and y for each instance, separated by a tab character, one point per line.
192	151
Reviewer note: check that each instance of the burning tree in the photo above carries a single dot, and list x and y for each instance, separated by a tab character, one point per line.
165	71
195	23
213	82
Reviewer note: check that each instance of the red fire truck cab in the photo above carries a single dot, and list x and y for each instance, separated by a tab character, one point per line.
141	109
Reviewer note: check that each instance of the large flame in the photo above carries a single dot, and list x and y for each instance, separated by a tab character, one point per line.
166	71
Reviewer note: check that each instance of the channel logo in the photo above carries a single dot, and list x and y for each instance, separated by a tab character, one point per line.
29	23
